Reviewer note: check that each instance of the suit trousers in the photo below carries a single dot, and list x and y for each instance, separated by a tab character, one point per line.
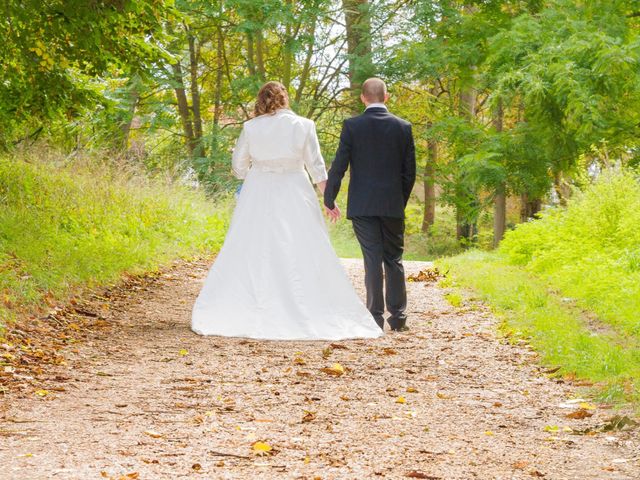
382	242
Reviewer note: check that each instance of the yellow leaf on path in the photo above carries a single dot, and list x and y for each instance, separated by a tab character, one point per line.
261	448
412	390
489	432
183	352
299	361
401	400
587	406
42	393
153	434
336	369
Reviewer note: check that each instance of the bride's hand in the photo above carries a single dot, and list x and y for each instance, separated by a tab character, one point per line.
334	215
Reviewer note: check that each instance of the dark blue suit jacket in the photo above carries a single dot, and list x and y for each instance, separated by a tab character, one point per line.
378	147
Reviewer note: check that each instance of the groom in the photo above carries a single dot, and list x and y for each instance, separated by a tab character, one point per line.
379	149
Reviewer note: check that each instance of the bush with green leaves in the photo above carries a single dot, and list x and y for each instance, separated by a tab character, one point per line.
63	227
590	250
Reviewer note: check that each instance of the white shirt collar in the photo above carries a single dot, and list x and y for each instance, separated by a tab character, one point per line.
376	105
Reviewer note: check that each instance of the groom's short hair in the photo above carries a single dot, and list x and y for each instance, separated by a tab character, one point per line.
374	90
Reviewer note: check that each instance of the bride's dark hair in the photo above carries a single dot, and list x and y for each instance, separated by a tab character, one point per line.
271	97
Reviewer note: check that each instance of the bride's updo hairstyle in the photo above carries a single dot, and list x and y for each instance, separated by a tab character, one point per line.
271	97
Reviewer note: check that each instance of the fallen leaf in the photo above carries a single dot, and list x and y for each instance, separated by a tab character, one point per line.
299	361
308	416
579	414
417	474
153	434
336	369
426	275
389	351
262	448
183	352
196	466
42	393
412	390
401	400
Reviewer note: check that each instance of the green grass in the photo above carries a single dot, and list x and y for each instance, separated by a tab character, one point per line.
529	309
84	224
591	250
570	283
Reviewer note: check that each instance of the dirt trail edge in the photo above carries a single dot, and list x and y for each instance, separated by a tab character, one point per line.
146	398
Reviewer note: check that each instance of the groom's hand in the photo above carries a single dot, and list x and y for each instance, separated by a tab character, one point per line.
333	214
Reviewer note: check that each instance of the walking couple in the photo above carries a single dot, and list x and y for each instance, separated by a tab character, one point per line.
277	275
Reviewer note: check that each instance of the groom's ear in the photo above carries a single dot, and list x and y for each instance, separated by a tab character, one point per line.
363	99
386	97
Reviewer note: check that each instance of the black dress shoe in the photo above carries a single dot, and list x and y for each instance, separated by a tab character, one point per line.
402	328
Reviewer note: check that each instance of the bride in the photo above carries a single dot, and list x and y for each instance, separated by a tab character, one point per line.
277	275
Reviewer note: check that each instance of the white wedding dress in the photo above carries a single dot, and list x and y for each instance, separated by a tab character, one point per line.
277	275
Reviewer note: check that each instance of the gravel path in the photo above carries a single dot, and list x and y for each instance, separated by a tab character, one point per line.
143	397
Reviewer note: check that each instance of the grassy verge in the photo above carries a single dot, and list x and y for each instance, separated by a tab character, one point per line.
564	335
84	224
570	283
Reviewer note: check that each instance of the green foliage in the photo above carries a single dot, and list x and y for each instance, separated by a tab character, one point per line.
63	227
589	250
531	310
570	282
51	50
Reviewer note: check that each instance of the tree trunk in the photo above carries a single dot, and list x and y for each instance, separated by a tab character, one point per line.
358	26
183	107
306	69
287	57
217	109
250	55
125	126
562	188
464	229
260	56
529	207
500	199
194	53
429	216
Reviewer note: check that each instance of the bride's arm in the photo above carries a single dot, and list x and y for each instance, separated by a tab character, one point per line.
241	159
313	160
321	186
